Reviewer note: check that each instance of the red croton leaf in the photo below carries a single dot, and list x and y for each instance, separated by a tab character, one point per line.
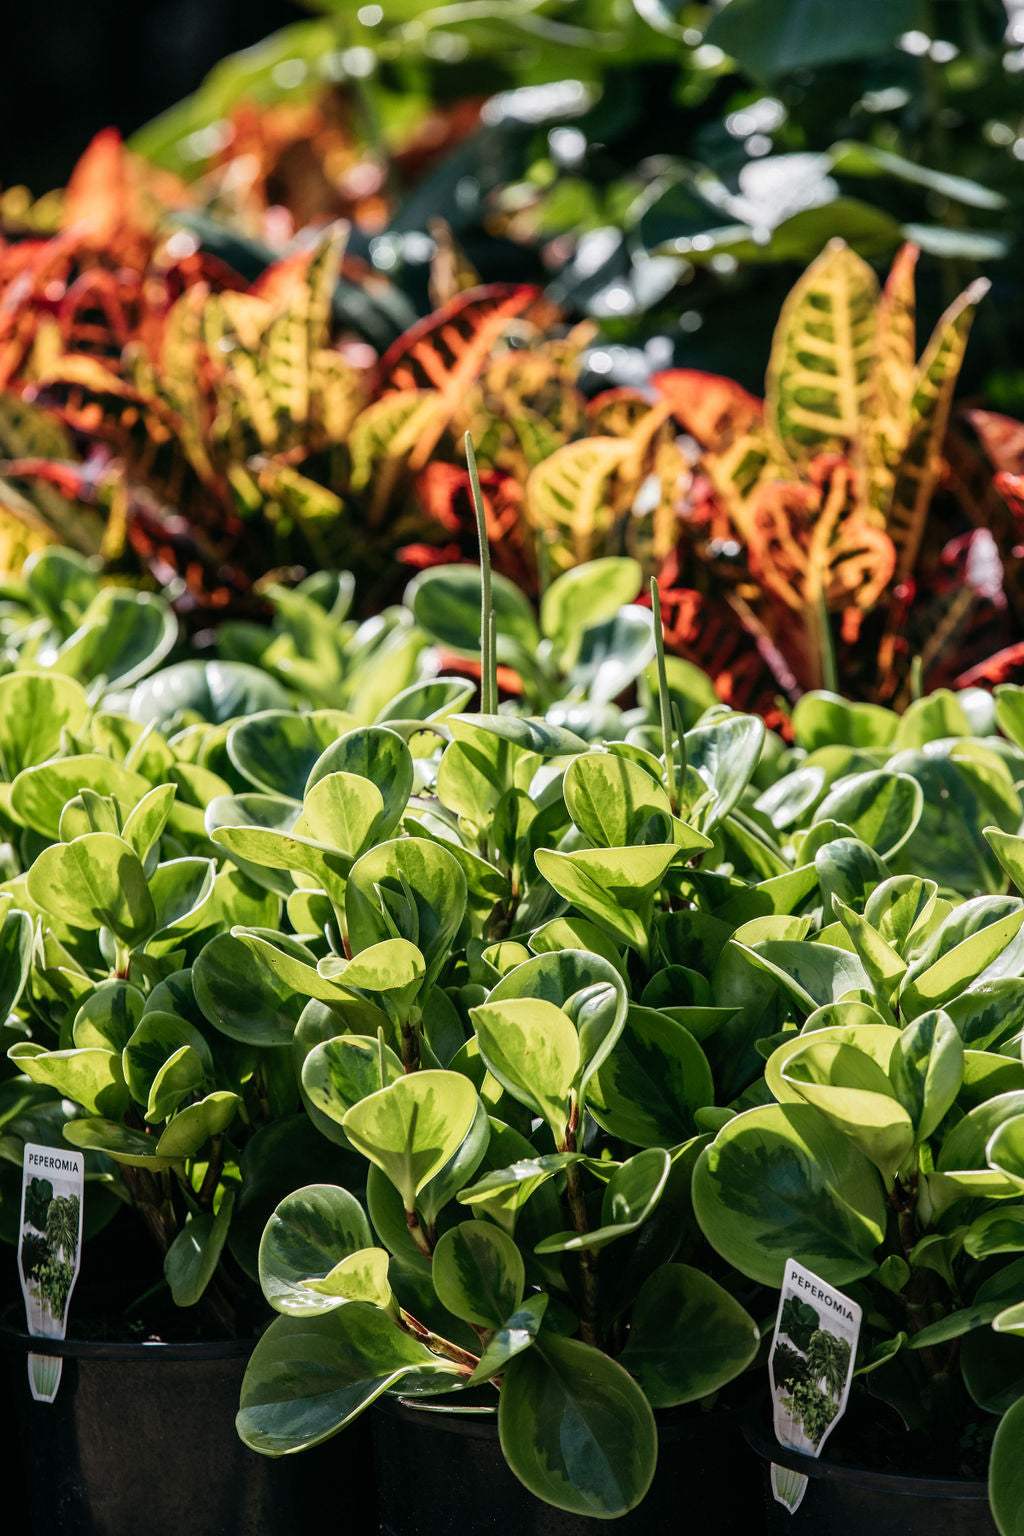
445	497
710	633
713	409
1002	439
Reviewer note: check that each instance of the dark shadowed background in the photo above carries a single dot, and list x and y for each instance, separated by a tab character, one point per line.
72	68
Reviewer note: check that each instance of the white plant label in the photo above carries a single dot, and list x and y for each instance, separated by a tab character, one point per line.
814	1348
49	1252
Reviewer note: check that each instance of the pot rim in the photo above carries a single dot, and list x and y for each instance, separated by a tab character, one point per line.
905	1485
15	1339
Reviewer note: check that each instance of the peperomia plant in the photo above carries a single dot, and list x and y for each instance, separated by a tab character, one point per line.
542	1034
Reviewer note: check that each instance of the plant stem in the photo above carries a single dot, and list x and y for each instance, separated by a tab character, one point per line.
214	1169
418	1235
826	650
589	1330
488	660
437	1344
664	703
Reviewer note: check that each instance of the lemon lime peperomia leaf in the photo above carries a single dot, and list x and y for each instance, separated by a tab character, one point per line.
412	1127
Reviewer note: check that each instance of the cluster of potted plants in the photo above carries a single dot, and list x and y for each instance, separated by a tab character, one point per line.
508	1052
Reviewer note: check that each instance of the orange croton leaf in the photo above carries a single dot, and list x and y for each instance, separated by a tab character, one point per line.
809	543
447	351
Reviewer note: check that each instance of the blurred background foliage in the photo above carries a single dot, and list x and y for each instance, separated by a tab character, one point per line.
550	208
667	169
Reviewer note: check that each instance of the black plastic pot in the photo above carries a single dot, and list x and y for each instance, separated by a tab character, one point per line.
440	1473
141	1442
853	1501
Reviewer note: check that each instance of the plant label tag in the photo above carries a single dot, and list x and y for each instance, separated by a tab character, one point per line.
49	1252
813	1351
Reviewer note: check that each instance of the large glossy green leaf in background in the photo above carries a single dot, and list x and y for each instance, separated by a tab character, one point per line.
823	719
588	594
613	653
780	1182
309	1377
242	999
445	602
688	1336
205	690
276	749
411	1128
576	1429
35	707
881	808
771	39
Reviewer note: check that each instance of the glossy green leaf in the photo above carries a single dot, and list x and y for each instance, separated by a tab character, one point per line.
39	795
612	886
309	1377
516	1333
927	1070
275	749
688	1337
411	1128
585	595
244	1001
410	889
35	707
533	1050
615	803
780	1182
630	1197
725	755
192	1259
341	1072
648	1088
192	1127
478	1273
96	881
855	1095
308	1234
89	1076
576	1429
117	1141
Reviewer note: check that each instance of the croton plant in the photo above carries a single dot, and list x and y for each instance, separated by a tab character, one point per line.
204	423
513	1050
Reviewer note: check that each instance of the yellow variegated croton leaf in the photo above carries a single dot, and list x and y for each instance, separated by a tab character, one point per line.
829	490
